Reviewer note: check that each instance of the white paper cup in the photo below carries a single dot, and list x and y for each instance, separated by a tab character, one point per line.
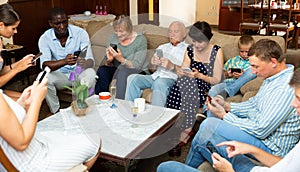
140	103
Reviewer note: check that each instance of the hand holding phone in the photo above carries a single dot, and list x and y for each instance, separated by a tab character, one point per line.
211	147
76	53
115	47
36	57
159	53
81	53
43	74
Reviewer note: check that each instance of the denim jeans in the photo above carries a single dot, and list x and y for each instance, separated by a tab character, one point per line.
213	131
160	88
175	166
231	87
105	75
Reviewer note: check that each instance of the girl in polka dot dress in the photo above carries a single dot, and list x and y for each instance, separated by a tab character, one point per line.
206	62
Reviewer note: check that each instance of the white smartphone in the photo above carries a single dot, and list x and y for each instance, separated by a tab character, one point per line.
43	74
186	69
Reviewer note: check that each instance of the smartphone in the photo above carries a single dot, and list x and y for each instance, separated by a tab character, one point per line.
159	53
76	53
114	46
238	70
36	57
81	53
186	69
43	74
211	147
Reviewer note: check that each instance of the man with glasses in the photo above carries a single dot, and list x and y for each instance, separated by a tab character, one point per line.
58	45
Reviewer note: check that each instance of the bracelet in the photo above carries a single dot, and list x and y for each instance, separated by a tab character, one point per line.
10	67
124	62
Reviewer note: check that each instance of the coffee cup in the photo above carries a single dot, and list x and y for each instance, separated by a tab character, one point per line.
140	103
104	96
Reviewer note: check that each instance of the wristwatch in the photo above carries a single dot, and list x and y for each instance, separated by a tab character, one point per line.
124	62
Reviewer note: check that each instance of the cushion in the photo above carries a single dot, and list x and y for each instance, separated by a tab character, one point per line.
237	98
252	85
153	40
147	95
101	36
94	26
248	95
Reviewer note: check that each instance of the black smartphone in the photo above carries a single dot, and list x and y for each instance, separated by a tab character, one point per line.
36	57
76	53
81	53
43	74
114	46
238	70
208	97
211	147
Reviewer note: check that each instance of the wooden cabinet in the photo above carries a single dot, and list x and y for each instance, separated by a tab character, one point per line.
229	19
208	11
34	16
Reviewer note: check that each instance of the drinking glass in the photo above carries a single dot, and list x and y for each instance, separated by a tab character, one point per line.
113	92
134	111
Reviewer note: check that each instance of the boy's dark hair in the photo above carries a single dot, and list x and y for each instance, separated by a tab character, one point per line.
201	31
295	81
245	40
266	49
56	11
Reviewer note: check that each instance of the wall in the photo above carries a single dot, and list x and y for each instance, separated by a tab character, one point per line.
171	10
169	14
133	11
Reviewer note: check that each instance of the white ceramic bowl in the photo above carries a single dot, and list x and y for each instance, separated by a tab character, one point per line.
87	13
104	96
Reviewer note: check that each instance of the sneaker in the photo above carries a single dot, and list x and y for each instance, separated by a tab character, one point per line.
200	117
221	97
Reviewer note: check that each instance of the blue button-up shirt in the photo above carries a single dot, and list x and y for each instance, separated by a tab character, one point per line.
51	48
269	115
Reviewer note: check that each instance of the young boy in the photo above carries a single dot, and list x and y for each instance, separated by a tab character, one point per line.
237	70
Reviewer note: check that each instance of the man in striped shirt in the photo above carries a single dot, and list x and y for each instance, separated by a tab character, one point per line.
266	120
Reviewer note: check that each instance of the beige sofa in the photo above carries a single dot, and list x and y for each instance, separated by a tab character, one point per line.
99	33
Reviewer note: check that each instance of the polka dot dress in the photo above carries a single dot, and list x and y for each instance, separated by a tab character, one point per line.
188	94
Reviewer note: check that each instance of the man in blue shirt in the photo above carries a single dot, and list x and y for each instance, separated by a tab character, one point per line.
266	120
58	45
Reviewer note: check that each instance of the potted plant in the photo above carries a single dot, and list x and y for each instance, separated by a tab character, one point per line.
83	83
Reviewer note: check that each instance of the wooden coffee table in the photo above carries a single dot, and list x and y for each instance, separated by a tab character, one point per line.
120	141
